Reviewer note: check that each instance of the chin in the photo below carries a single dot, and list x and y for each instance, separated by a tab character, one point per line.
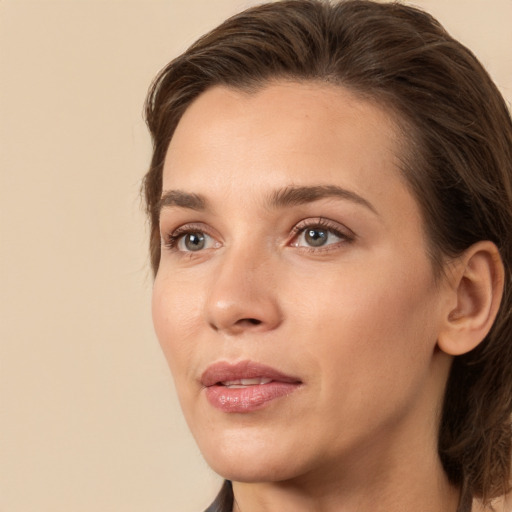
251	471
253	461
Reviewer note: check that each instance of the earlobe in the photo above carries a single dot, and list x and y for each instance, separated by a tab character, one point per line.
478	288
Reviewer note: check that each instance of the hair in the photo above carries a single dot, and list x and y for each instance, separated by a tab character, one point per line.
457	161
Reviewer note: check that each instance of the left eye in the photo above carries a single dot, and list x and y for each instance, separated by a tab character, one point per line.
316	237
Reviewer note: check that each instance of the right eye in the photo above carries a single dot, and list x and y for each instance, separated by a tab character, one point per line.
190	240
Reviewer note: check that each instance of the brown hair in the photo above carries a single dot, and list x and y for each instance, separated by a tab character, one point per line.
458	163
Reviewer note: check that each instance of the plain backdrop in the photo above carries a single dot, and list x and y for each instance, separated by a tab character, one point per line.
88	416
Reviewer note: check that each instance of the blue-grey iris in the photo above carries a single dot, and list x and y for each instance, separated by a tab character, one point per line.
194	241
316	237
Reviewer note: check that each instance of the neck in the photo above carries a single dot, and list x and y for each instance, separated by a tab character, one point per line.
426	488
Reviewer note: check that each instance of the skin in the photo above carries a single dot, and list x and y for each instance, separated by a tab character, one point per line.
356	319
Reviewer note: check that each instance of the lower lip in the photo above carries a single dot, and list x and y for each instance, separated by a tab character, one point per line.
247	399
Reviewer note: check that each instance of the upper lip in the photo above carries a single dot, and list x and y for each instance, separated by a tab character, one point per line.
223	371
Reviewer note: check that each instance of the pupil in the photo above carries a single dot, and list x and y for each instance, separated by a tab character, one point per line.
194	241
316	237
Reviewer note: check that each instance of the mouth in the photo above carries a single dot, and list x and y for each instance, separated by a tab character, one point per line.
246	386
242	383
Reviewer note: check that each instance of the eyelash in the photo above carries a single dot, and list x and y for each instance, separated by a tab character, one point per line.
321	223
347	236
172	239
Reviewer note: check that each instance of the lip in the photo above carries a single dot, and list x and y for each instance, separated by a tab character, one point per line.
224	371
247	398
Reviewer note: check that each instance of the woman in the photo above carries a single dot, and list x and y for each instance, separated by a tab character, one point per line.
330	199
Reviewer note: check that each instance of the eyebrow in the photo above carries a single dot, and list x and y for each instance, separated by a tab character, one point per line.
291	196
182	200
282	198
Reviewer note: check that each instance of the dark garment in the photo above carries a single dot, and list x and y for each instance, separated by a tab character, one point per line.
224	500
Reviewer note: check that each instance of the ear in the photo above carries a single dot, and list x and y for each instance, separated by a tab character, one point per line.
476	285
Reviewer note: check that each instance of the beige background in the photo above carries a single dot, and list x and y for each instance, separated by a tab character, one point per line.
88	417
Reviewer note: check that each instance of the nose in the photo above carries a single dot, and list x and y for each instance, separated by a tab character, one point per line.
243	295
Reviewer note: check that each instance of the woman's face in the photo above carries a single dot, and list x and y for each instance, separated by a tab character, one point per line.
295	301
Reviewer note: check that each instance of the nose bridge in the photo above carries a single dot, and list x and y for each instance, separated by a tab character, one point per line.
242	295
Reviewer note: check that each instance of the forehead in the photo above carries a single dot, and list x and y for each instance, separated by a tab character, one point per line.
283	134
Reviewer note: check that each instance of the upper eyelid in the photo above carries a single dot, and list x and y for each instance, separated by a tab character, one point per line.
325	223
186	227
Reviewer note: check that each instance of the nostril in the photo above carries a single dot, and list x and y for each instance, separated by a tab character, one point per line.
239	325
251	321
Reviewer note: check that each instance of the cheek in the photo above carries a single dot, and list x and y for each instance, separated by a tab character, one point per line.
174	311
371	327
